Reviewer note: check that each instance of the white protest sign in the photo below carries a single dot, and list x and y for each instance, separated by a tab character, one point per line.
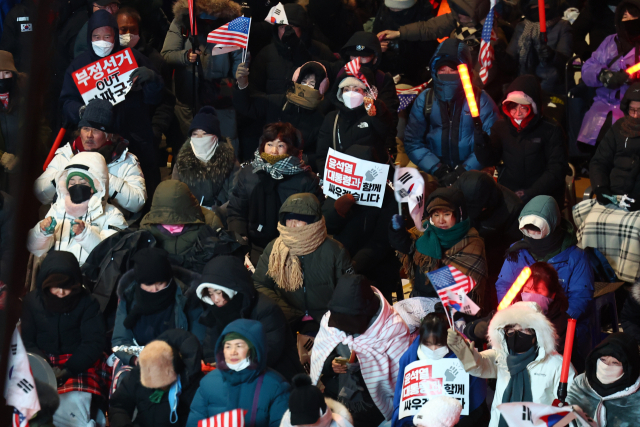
347	174
106	78
423	380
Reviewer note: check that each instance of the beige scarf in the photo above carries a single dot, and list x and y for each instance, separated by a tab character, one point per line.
284	266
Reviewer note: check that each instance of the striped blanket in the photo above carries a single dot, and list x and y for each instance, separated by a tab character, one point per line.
378	350
614	232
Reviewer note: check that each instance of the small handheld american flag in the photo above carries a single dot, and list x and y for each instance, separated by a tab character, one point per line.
406	96
235	33
234	418
487	54
450	279
353	68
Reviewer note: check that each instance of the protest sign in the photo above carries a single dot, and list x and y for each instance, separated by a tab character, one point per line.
425	379
106	78
344	174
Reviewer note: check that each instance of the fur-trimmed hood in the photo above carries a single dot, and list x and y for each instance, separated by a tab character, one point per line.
226	9
336	415
93	165
635	291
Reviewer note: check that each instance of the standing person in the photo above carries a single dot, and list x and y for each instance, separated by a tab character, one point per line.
81	44
18	32
242	379
11	125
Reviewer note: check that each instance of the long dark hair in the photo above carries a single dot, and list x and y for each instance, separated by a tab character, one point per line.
434	325
545	276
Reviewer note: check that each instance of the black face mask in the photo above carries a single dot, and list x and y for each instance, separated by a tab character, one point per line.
370	65
632	29
290	38
519	342
79	193
6	85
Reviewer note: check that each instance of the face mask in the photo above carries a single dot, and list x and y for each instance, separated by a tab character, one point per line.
5	85
608	374
129	40
79	193
447	86
102	48
632	28
289	37
304	96
370	65
352	99
239	366
520	342
541	300
425	352
204	147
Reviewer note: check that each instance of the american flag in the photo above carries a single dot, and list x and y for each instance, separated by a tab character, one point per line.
234	418
406	96
235	33
450	279
487	55
353	68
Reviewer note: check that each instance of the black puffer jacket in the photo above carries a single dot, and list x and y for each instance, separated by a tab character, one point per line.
79	332
535	158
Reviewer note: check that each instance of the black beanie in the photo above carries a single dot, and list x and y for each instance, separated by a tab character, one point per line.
306	402
151	265
207	120
353	304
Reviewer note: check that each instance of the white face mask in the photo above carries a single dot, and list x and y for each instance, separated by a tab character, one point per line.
352	99
102	48
129	40
240	365
608	374
425	352
204	147
541	300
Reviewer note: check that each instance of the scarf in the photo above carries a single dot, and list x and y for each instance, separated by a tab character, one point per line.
76	210
78	147
530	37
288	166
435	239
145	303
284	266
205	147
61	305
630	127
544	249
304	96
519	387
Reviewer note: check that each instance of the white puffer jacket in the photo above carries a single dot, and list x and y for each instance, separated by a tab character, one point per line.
125	179
102	219
336	415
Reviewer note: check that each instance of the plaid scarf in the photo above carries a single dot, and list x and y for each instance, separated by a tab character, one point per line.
289	166
95	380
471	35
530	37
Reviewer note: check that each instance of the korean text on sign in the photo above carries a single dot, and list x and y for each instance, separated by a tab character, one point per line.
106	78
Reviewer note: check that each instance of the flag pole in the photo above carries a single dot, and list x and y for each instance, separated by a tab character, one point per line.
399	203
246	48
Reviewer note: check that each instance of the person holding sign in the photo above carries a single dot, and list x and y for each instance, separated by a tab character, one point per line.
431	346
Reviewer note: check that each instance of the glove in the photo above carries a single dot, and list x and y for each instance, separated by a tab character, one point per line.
600	192
397	222
480	138
459	346
633	205
8	161
62	375
115	184
441	171
242	75
545	53
452	176
613	79
143	74
343	204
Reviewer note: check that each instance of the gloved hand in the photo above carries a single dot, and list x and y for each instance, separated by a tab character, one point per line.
480	138
459	346
452	176
343	204
613	79
441	170
143	74
397	222
62	375
635	205
242	75
8	161
545	53
600	192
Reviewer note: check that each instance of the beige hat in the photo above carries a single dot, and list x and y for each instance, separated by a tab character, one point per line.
156	365
399	4
6	61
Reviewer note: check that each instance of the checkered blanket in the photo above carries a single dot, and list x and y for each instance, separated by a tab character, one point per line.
95	380
614	232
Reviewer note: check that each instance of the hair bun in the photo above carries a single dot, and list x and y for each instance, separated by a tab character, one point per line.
301	380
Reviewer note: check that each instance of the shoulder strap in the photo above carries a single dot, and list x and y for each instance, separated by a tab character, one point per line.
428	104
335	126
256	397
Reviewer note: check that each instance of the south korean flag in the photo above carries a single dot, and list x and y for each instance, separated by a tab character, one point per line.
277	16
409	187
20	389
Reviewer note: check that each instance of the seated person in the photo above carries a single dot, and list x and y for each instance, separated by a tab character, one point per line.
357	351
608	390
299	270
531	147
227	293
80	218
62	322
168	370
240	377
440	119
448	239
126	183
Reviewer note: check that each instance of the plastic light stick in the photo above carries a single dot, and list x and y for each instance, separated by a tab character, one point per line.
543	19
633	69
566	360
515	288
468	90
56	145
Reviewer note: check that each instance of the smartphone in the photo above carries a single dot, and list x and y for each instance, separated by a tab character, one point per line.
341	360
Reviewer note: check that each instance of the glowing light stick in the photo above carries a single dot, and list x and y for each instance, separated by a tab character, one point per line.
543	21
515	288
566	361
471	96
633	69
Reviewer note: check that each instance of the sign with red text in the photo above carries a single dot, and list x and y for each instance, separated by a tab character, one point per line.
365	180
425	379
106	78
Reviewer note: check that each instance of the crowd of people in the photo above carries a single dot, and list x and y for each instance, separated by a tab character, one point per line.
190	262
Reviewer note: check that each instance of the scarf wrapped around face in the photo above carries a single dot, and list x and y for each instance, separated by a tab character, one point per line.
284	266
288	166
630	127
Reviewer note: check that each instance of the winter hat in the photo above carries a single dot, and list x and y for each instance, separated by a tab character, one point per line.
625	349
61	262
441	411
83	176
236	336
309	219
353	304
207	120
6	62
296	15
399	4
349	81
317	69
542	212
98	115
156	363
306	402
448	198
151	265
361	43
226	273
520	97
632	94
203	294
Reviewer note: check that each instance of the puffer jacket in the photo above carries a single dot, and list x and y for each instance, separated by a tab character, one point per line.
101	220
223	389
127	189
336	415
441	138
321	269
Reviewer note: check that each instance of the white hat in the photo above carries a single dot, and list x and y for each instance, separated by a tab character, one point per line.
349	81
539	222
441	411
203	294
399	4
520	97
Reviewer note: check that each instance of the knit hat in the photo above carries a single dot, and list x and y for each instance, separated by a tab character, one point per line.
236	336
151	265
156	363
353	304
399	4
6	62
207	120
306	403
441	411
83	176
98	115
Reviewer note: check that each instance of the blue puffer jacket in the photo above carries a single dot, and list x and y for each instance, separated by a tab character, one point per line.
223	389
477	386
433	142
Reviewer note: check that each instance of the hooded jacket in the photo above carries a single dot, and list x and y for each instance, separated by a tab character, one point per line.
535	158
630	315
321	269
230	272
444	137
80	332
223	389
101	220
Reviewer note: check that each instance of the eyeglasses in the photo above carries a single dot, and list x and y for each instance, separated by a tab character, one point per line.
634	111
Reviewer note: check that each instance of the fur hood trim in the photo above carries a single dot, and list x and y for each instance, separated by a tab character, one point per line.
156	365
527	315
194	171
635	291
337	415
226	9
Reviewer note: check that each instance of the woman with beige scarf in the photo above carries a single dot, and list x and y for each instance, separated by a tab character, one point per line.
299	270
